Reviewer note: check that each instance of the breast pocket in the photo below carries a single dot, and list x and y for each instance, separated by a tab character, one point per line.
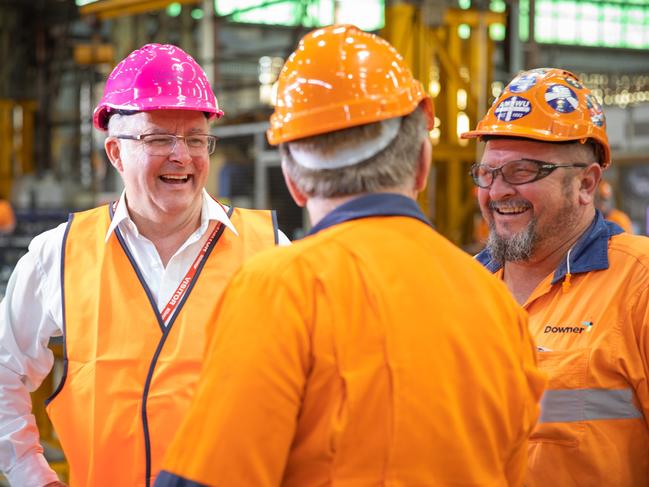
562	419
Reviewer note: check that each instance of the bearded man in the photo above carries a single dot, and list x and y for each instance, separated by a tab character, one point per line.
584	283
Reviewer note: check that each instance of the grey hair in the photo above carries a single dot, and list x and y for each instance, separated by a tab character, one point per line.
117	123
393	167
117	117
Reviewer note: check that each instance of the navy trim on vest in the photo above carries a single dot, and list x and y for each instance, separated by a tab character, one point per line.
590	253
375	204
163	339
65	348
140	277
167	479
273	214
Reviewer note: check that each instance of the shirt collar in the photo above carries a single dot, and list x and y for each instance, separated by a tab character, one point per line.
211	210
590	253
375	204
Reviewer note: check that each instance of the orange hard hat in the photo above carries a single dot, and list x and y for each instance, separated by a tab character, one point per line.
340	77
550	105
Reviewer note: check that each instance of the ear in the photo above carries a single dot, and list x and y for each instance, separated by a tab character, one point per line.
298	196
589	180
423	164
113	151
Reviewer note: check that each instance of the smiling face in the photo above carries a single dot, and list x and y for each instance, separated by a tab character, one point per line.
159	188
532	220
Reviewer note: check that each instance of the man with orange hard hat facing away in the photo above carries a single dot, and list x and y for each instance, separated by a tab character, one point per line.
605	202
584	283
360	362
129	286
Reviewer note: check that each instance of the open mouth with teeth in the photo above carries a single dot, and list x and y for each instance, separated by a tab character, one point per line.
175	178
510	208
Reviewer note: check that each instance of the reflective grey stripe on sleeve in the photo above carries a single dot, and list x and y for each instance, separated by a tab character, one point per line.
568	405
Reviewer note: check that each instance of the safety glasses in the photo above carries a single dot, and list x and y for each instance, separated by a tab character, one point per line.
164	144
522	171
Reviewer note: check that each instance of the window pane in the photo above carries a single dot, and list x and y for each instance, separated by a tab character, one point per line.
366	14
606	23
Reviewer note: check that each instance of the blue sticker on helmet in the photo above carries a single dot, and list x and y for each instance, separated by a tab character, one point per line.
598	119
512	108
523	82
573	82
595	110
561	98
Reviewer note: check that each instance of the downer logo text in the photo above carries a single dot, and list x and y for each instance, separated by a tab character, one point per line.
585	326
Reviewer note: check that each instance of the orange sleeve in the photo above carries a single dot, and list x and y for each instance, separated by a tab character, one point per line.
516	467
259	349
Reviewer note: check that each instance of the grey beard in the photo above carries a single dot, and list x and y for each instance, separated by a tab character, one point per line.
517	248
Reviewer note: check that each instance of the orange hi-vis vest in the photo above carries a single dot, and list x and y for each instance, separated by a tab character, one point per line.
128	378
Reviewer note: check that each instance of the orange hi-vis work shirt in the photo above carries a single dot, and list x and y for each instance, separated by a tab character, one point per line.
593	339
374	352
129	377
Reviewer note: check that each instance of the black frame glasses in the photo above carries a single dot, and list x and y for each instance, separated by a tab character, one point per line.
164	144
521	171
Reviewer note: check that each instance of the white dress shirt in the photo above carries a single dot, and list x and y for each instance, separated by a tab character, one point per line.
31	313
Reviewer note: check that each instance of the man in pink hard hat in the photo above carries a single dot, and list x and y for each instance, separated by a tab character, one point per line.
127	285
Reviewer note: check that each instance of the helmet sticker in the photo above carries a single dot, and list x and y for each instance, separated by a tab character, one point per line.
598	119
592	103
595	110
523	82
512	108
539	71
561	98
573	82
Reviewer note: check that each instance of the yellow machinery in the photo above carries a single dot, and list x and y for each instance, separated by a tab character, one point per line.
16	141
458	73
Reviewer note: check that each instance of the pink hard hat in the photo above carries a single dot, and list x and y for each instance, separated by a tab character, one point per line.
156	77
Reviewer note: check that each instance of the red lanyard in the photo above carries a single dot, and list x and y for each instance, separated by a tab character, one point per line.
184	284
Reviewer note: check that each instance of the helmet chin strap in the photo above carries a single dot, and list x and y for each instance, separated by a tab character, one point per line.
351	153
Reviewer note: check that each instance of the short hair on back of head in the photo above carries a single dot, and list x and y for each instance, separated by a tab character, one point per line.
393	167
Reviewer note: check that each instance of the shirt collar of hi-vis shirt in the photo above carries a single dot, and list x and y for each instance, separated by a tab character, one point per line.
375	204
211	210
590	253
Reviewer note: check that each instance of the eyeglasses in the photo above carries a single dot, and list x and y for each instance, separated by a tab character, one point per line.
515	172
164	144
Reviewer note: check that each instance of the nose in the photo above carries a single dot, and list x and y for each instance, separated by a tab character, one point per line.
500	188
180	154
